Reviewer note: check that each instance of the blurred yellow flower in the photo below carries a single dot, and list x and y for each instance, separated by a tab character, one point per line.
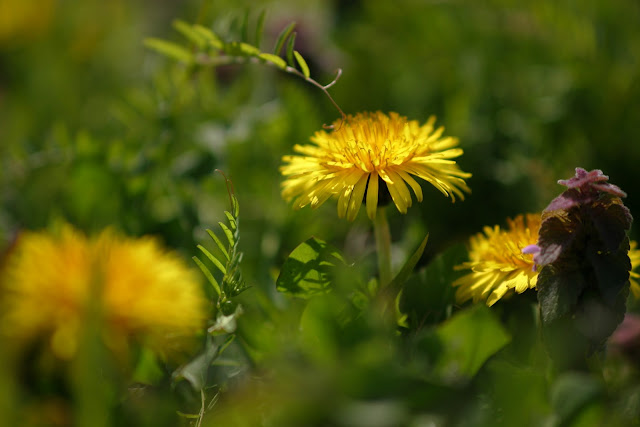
348	161
144	293
634	276
24	19
497	264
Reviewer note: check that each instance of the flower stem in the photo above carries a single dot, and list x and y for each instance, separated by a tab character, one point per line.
383	246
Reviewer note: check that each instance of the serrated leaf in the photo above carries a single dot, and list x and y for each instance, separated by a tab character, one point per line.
558	292
282	37
222	247
309	269
303	64
190	33
208	275
213	259
260	29
611	271
290	46
170	49
212	39
612	223
276	60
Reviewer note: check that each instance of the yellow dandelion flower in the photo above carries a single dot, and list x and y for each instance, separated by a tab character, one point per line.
634	276
145	293
348	162
497	264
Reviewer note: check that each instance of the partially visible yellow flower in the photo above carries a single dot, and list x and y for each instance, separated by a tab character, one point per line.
634	276
349	161
24	19
144	293
497	264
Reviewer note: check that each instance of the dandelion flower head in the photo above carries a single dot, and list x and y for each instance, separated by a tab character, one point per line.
349	162
145	293
498	265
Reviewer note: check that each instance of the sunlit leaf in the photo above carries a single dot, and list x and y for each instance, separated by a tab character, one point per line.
207	273
219	243
212	39
279	62
213	259
309	269
190	33
303	64
227	233
172	50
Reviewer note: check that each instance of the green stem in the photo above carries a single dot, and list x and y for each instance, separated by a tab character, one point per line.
383	246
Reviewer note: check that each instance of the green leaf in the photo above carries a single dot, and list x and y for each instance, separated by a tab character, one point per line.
303	64
222	247
208	275
309	269
276	60
232	220
195	371
427	296
244	27
408	266
558	292
235	206
573	392
249	49
467	340
282	38
172	50
260	29
212	39
227	233
213	259
190	33
241	49
148	370
290	45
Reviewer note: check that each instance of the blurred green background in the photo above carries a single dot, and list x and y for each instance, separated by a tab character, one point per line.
97	130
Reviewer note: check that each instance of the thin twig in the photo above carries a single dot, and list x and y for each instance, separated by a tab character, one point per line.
216	61
203	403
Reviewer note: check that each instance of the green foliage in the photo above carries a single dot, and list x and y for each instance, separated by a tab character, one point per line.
212	50
466	341
96	130
310	269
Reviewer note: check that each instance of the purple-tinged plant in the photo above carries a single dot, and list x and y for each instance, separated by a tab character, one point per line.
582	251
